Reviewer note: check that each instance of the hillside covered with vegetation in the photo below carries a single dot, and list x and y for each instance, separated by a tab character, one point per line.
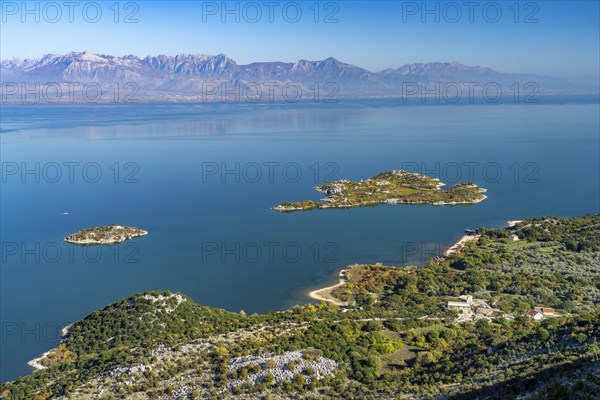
399	337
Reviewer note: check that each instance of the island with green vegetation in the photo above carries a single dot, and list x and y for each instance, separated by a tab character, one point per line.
391	187
105	235
511	314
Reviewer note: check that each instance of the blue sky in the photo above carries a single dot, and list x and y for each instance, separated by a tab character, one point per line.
548	37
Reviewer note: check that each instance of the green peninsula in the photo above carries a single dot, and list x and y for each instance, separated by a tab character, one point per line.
501	319
391	187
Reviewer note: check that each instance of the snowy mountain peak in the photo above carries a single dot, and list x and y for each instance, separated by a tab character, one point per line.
187	72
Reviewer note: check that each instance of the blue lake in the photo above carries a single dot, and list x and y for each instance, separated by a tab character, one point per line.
201	178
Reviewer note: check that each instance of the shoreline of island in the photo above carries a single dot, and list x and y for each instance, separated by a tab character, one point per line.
106	235
398	187
327	204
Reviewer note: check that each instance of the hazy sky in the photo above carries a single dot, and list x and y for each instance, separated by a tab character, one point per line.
547	37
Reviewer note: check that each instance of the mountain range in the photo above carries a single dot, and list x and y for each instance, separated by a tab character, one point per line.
188	75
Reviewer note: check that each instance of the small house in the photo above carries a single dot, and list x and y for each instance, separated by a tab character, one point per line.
539	313
535	315
545	310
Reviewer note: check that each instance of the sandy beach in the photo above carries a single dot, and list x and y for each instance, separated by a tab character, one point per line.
324	294
458	245
512	223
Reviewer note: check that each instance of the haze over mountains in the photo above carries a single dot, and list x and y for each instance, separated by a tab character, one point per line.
186	76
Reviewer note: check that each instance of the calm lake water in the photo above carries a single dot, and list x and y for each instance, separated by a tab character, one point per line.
202	178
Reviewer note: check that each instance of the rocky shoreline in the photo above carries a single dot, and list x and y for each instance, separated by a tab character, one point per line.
105	235
38	362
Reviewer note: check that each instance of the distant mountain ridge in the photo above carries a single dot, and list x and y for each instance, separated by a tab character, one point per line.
77	65
189	74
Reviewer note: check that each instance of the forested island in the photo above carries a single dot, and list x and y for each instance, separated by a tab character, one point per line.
105	235
500	318
391	187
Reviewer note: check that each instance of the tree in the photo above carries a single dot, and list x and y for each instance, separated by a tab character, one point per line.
269	379
299	381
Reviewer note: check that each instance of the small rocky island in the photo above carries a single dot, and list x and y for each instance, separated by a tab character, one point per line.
105	235
391	187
